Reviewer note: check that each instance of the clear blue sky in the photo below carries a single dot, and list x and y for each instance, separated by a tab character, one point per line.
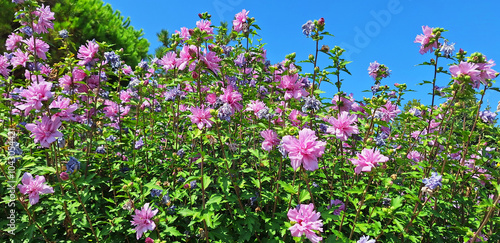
369	30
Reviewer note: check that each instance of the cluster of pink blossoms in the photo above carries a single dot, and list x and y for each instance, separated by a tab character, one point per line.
477	72
305	222
293	87
305	150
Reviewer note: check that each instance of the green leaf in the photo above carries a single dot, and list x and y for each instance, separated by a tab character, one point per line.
289	188
206	181
304	195
173	231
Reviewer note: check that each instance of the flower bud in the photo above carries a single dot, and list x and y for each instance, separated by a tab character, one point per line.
311	57
64	176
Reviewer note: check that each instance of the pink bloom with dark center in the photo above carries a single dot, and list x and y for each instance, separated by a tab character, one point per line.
425	40
305	150
125	96
112	109
239	19
87	53
142	220
44	22
12	41
368	159
232	98
64	104
127	70
211	98
4	63
342	127
201	117
305	220
34	95
168	61
34	187
41	47
45	132
270	139
293	87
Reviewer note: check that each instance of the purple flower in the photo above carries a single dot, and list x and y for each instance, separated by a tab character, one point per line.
487	116
433	181
307	28
142	220
365	239
139	143
338	210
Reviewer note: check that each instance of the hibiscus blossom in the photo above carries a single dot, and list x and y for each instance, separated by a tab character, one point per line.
142	220
87	53
368	159
45	132
305	150
305	220
201	117
270	139
34	187
239	19
425	40
342	127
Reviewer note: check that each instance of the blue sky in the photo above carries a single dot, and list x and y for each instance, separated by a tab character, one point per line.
369	30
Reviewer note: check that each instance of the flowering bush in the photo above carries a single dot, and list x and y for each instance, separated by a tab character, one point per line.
212	142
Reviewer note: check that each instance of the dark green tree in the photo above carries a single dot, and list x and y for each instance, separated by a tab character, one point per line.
84	20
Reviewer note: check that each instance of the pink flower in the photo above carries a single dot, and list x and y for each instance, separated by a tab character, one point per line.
211	98
45	132
345	104
414	155
232	97
255	106
204	25
239	19
112	109
184	34
185	56
305	221
127	70
270	139
66	110
149	240
41	47
389	111
211	60
34	187
125	96
142	220
4	63
44	19
465	69
305	150
368	159
201	117
12	41
35	94
425	40
342	127
168	61
293	87
87	53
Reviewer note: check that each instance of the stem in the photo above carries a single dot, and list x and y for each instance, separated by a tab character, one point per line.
360	205
85	210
